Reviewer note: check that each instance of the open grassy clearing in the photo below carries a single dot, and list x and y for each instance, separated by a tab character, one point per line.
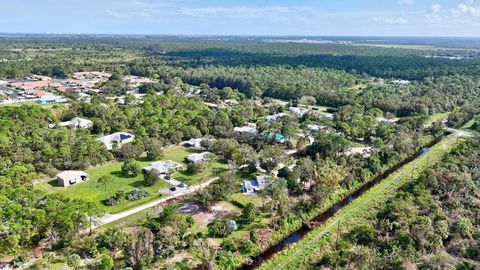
90	190
298	253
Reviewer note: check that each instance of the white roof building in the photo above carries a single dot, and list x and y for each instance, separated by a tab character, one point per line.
327	116
298	111
246	129
192	143
164	166
76	122
197	157
364	151
116	138
273	117
315	126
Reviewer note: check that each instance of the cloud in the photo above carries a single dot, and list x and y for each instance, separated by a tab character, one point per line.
464	9
406	2
391	21
435	8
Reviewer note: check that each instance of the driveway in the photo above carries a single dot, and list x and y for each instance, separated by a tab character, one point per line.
109	218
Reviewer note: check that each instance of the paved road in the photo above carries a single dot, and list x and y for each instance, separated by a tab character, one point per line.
109	218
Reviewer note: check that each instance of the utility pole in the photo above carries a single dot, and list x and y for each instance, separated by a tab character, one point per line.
413	170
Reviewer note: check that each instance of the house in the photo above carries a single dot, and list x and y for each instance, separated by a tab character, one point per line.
246	129
273	117
118	138
50	99
31	85
192	143
387	121
68	178
363	151
77	122
327	116
35	93
255	185
231	102
315	126
163	167
41	78
298	111
197	157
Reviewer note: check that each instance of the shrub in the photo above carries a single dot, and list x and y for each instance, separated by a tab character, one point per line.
137	194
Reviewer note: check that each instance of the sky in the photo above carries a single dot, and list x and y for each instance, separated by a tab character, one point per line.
241	17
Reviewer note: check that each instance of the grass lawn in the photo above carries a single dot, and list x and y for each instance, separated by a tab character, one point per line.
244	199
91	191
294	256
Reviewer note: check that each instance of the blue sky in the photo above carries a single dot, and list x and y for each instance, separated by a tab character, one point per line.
217	17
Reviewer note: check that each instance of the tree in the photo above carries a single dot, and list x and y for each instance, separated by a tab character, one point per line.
196	167
106	263
326	179
248	213
205	253
245	154
151	177
138	248
155	150
276	192
130	168
270	156
105	181
73	261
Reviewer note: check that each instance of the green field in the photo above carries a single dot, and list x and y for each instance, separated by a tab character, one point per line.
296	255
90	190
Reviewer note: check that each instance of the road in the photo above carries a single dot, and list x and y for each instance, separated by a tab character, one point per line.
109	218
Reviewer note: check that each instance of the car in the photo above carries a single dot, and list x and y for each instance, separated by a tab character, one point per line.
181	185
173	188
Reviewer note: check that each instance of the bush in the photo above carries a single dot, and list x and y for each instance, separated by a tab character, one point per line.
111	200
137	194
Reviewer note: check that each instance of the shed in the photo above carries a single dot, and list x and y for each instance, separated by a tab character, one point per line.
68	178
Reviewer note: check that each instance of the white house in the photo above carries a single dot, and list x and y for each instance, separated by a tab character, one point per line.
68	178
273	117
163	167
255	185
192	143
387	121
76	122
298	111
197	157
315	126
246	129
363	151
327	116
118	138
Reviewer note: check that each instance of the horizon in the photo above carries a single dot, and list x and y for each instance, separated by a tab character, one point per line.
396	18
